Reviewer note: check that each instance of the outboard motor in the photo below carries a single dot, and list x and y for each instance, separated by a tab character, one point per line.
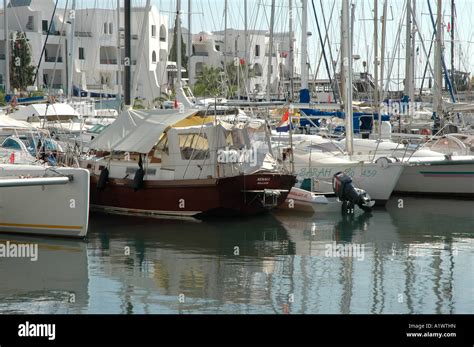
349	195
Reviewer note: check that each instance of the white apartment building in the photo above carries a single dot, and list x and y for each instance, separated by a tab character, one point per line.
216	49
96	64
33	17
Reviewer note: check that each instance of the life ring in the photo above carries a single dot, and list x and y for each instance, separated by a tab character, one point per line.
425	131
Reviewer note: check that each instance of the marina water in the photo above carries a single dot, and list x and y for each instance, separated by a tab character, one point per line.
414	256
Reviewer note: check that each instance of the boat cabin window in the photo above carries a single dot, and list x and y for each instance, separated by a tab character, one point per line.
235	139
162	145
324	147
194	146
11	144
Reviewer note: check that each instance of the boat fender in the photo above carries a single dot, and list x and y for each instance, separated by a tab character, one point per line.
425	131
139	175
103	179
383	162
138	179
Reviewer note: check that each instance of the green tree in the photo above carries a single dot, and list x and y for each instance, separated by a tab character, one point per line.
208	82
173	56
21	70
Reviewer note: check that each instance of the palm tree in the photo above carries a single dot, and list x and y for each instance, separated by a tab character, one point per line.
208	82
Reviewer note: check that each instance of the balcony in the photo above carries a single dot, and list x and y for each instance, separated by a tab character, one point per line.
53	59
109	61
201	54
83	34
134	36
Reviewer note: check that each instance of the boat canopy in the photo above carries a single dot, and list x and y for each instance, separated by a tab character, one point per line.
52	112
137	130
8	122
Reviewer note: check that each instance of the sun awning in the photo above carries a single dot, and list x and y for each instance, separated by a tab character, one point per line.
137	130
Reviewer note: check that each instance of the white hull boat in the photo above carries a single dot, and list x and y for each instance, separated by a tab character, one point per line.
50	201
452	176
378	179
318	160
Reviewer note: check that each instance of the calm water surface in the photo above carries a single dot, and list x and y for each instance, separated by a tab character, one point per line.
416	259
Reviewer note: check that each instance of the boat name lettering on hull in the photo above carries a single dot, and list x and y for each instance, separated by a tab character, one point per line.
316	172
329	173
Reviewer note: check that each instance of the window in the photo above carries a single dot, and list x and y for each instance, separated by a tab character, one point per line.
257	70
30	25
153	57
257	50
81	53
218	48
162	33
111	28
162	145
194	146
199	67
44	25
106	28
11	144
153	31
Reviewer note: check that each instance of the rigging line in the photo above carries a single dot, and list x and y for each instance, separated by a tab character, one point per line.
45	42
443	64
326	39
329	45
324	53
59	48
394	53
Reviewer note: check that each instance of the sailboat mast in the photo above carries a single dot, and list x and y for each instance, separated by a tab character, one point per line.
292	51
71	49
270	50
409	56
119	54
304	51
453	9
190	36
347	70
382	65
128	59
437	106
376	63
247	49
178	43
7	47
225	37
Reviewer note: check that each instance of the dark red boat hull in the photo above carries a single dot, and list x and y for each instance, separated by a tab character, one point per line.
238	195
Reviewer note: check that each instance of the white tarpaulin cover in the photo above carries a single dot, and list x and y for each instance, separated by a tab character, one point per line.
7	122
42	110
137	130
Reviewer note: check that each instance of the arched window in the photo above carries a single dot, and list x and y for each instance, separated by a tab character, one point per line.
257	69
162	33
153	57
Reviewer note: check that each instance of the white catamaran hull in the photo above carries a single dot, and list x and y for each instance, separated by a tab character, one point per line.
376	179
44	201
453	177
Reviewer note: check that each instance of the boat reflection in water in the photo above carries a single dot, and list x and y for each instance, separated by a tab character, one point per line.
53	278
415	259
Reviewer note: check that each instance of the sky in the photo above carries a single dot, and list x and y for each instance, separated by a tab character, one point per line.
208	15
